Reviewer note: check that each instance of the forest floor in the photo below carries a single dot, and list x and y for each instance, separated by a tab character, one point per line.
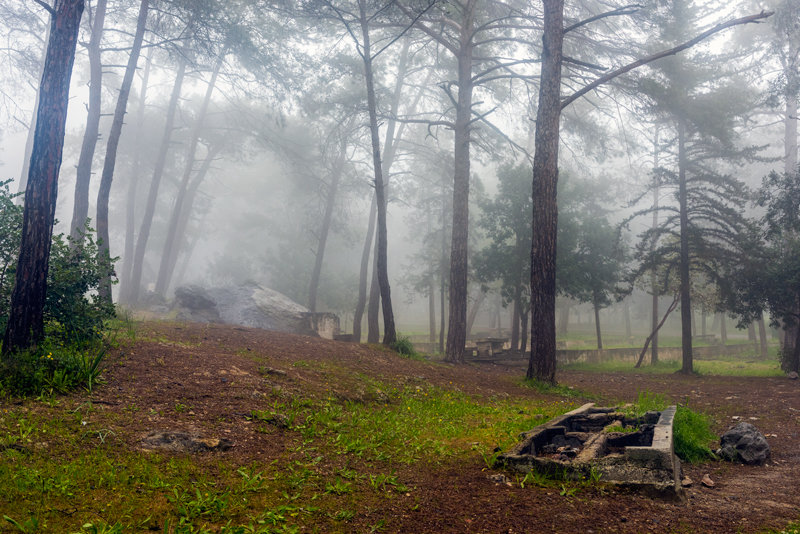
337	437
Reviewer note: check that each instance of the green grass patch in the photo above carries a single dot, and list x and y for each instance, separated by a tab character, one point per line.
715	367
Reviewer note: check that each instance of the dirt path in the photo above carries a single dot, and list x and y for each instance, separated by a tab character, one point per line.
218	373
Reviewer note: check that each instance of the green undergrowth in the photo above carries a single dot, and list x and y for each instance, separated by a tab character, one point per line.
67	465
715	367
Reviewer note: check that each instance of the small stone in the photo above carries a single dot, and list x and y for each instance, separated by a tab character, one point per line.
498	478
686	482
793	376
707	482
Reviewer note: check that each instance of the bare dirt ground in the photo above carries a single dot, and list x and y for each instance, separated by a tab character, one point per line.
214	370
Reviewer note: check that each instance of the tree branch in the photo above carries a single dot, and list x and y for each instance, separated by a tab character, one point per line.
671	52
624	10
47	7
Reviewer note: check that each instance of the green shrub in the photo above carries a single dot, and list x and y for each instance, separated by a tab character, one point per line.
404	347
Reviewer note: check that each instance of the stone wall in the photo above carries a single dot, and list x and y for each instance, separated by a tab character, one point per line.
664	354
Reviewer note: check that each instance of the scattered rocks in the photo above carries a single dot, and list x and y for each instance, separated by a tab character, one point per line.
707	482
176	441
499	478
687	482
744	443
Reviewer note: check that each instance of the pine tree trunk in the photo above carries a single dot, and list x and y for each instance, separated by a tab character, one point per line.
686	304
389	333
542	365
185	215
762	336
165	269
597	324
152	197
723	329
563	318
25	325
374	302
653	244
83	176
457	324
358	315
524	339
26	158
473	312
130	199
330	202
113	143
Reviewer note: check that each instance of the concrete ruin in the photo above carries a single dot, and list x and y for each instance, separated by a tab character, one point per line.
629	451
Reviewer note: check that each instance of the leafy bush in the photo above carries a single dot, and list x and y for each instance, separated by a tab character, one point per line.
404	347
73	313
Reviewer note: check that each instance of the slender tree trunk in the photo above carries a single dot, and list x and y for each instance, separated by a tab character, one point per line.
791	332
703	321
473	312
653	244
443	270
597	324
165	269
431	285
652	335
330	202
762	336
723	329
524	339
83	176
358	315
626	310
111	148
542	365
389	333
130	199
185	215
686	304
563	318
457	327
374	303
25	325
152	197
751	333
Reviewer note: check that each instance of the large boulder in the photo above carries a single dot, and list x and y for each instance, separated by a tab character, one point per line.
744	443
251	304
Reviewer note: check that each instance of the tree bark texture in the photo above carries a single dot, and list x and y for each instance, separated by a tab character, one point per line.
389	333
26	318
653	244
459	243
113	143
762	337
83	176
685	284
155	183
166	266
596	307
542	364
130	198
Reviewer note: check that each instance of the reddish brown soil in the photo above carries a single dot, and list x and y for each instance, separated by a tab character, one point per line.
214	370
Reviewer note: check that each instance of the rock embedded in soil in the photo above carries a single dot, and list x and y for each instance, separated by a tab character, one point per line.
744	443
176	441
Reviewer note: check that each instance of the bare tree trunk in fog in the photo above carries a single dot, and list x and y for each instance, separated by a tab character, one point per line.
723	329
113	143
762	336
363	272
751	332
517	310
703	321
374	303
473	312
152	197
626	310
653	334
685	289
26	159
185	215
524	339
166	267
443	270
653	244
25	325
431	308
130	198
499	316
563	318
83	176
791	332
596	306
330	202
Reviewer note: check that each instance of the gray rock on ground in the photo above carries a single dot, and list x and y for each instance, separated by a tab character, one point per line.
744	443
